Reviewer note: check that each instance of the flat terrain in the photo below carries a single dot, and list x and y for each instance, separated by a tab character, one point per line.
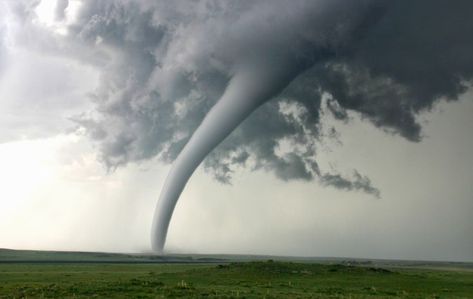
249	279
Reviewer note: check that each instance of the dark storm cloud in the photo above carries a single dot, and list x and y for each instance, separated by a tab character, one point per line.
358	182
167	63
418	52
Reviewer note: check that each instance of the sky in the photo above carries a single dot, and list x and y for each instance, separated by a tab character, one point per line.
363	149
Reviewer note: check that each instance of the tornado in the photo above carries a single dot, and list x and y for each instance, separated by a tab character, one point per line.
265	64
249	88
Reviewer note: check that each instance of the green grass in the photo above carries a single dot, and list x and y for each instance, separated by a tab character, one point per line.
236	280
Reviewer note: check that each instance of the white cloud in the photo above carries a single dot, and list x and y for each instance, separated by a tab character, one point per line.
39	93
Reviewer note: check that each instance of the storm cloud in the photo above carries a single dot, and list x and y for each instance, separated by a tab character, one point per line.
165	64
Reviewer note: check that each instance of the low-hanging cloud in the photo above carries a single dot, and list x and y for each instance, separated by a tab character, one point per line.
165	64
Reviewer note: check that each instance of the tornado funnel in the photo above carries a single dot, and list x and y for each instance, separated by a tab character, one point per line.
250	87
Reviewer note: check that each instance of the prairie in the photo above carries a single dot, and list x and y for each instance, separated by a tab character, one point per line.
249	279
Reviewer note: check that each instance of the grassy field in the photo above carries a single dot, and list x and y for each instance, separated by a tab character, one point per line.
269	279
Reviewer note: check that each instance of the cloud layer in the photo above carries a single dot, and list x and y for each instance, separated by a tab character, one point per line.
164	64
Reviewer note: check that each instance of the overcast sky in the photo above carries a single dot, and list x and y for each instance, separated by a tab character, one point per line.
366	152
